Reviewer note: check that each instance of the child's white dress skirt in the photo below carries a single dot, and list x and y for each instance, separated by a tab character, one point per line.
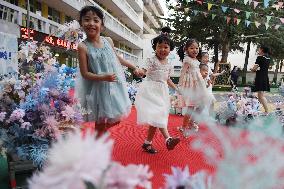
153	104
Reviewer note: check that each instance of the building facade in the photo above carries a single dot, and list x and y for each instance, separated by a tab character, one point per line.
123	20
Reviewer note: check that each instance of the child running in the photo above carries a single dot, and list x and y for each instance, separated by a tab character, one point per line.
204	59
153	99
192	86
101	86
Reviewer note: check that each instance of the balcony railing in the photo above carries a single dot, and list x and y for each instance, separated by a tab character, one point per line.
130	57
128	9
151	18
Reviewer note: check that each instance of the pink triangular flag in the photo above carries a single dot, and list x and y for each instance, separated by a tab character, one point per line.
280	4
199	2
235	20
237	10
282	20
205	14
276	7
255	3
257	24
228	19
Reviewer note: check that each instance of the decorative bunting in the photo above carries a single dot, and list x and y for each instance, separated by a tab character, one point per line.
195	12
247	23
255	3
222	1
205	14
280	4
266	25
277	27
209	6
238	21
266	3
282	20
213	16
186	10
224	9
228	19
268	18
248	14
257	24
250	2
276	7
246	2
199	2
235	20
237	11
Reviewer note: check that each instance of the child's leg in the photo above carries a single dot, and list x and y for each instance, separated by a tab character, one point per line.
170	142
100	128
151	133
147	145
262	100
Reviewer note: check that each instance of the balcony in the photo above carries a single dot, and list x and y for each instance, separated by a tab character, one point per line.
149	17
17	15
124	11
130	57
148	29
136	4
114	28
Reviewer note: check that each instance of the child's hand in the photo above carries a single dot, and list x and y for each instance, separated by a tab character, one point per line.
139	72
110	78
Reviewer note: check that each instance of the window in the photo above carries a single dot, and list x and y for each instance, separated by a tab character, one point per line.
14	2
53	15
68	19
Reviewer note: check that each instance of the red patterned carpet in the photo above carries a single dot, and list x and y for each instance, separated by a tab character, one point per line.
128	138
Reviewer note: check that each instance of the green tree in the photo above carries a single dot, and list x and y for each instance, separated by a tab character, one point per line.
193	20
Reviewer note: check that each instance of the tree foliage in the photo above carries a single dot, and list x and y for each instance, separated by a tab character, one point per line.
191	19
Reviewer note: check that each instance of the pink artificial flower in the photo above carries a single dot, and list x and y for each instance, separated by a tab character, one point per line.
74	160
2	116
69	113
26	125
17	115
128	177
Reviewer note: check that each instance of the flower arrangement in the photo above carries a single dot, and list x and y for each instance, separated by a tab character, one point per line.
36	108
90	166
183	179
243	157
34	113
238	107
71	32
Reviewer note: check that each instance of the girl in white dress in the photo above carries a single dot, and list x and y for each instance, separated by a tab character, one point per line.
192	85
204	59
153	99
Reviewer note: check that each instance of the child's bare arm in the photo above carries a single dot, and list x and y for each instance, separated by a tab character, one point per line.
123	61
172	85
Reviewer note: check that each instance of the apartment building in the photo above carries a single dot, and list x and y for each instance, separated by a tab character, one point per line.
123	22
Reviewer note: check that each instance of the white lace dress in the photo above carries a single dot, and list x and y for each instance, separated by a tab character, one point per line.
192	85
153	99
